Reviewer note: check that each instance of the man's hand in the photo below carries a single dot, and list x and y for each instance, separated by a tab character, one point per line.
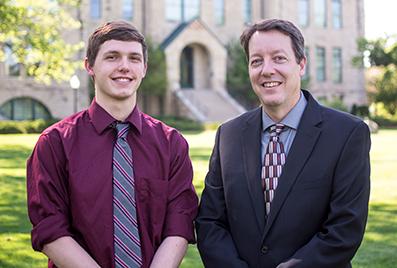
289	263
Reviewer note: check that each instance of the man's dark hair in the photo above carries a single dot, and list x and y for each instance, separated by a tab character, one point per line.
283	26
113	30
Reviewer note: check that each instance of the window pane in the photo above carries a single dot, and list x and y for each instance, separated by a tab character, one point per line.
337	65
128	9
22	109
247	8
320	64
219	10
303	9
191	9
13	68
95	9
173	10
337	14
6	110
320	13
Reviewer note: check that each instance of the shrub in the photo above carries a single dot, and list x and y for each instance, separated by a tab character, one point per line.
181	123
33	126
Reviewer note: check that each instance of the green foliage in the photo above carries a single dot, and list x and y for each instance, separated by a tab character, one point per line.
387	89
34	126
155	82
34	31
237	78
382	52
180	123
335	103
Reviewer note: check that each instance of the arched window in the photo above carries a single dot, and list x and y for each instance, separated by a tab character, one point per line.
24	108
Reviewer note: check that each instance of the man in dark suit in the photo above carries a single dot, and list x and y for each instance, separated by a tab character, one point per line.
288	183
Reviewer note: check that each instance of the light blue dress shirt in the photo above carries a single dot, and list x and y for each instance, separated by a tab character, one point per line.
291	122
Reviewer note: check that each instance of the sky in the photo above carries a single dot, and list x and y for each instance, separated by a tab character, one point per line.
380	18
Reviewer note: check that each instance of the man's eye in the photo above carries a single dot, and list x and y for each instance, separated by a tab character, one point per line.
256	62
280	59
110	57
135	59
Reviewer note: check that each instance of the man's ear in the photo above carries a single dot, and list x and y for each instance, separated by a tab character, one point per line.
302	66
88	67
144	70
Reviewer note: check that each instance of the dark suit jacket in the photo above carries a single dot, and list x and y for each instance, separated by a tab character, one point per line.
320	208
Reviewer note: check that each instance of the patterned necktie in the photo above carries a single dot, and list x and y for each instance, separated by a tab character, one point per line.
127	246
273	164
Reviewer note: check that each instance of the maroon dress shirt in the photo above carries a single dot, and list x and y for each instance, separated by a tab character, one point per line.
69	183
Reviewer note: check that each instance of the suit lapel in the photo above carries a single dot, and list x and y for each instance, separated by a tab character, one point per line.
251	144
301	148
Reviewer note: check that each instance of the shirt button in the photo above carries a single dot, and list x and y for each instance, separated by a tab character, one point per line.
264	249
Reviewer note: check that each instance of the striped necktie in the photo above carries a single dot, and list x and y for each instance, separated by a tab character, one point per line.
127	247
273	164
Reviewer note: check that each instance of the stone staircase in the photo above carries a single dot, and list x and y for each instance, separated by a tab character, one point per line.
206	105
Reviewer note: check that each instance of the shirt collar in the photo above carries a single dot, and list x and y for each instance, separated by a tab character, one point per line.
102	119
293	117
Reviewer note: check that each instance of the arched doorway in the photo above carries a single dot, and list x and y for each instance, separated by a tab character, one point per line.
24	108
187	68
195	67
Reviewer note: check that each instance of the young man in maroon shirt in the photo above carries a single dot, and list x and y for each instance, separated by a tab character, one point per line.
69	175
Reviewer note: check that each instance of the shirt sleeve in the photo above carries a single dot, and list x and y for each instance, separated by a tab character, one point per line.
47	191
182	199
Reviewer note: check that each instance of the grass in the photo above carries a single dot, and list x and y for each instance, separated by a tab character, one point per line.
378	249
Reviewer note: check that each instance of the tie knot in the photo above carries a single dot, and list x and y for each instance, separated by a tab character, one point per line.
122	130
276	129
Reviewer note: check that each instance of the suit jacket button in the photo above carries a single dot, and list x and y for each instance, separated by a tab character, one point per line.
264	249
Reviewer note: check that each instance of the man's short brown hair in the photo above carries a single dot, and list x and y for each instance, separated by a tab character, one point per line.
283	26
113	30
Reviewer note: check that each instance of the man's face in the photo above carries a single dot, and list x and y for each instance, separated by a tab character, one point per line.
274	73
118	70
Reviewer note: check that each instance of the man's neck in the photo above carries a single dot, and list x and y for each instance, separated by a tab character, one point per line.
118	109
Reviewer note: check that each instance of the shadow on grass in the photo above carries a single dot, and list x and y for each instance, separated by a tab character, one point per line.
14	156
13	212
379	247
199	154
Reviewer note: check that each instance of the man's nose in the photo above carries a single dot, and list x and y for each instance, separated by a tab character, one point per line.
267	68
124	65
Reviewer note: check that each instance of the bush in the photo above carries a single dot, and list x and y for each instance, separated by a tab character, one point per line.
33	126
384	122
181	124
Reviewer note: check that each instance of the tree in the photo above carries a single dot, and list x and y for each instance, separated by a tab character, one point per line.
237	78
155	83
383	53
33	30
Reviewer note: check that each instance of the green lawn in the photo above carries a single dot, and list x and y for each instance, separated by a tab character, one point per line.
378	249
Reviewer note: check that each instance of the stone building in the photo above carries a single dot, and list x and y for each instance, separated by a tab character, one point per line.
194	35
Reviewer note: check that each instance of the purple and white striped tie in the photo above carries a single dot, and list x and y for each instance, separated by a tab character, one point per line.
273	164
127	246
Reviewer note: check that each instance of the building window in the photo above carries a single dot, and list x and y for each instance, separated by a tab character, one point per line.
337	67
13	68
306	76
337	14
182	10
24	109
95	9
303	12
320	64
128	9
247	8
219	10
320	13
